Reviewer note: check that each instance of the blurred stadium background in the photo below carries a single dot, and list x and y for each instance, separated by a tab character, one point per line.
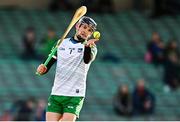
126	27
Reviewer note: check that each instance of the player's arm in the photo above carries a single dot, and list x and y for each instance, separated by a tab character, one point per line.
90	52
42	69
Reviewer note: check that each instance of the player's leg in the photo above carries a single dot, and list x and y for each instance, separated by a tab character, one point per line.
68	117
54	109
51	116
72	108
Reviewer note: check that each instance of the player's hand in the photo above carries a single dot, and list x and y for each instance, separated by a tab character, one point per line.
91	42
41	69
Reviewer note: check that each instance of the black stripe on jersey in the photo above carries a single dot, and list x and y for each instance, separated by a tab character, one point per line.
87	55
51	62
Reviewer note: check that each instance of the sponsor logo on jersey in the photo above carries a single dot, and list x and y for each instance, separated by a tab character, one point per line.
71	48
80	50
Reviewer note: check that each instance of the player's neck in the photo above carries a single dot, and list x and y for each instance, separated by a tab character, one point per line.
75	38
78	39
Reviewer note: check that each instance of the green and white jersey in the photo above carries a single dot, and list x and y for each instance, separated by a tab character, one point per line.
71	71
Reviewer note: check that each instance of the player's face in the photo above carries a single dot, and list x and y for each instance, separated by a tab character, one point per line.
84	31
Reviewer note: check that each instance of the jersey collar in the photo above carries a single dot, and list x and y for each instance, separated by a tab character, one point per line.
74	41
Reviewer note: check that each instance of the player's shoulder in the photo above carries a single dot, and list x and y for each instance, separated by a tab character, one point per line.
67	39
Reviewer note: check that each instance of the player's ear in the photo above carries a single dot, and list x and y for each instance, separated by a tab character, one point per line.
77	26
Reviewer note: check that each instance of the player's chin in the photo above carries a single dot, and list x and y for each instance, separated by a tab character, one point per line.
82	38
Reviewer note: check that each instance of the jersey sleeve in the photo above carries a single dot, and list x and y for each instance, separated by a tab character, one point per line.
89	54
51	62
93	53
